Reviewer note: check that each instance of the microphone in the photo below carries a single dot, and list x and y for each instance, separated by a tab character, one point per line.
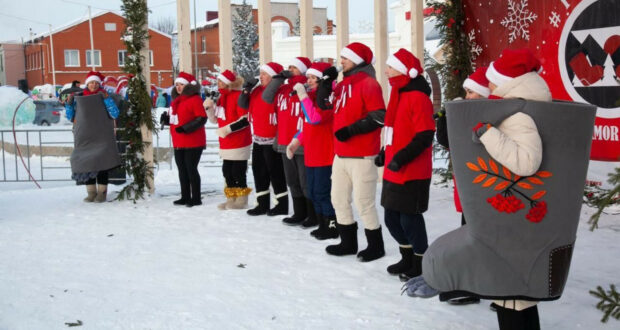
294	92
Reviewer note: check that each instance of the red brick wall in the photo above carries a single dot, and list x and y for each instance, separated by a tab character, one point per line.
108	42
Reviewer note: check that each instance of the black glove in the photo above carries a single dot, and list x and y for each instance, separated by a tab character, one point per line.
284	74
249	84
330	73
380	159
179	129
164	119
343	134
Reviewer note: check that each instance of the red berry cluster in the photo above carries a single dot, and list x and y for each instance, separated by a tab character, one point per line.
537	212
508	204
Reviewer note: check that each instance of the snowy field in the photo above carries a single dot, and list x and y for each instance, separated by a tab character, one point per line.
151	265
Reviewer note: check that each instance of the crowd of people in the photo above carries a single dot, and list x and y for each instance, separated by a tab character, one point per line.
319	140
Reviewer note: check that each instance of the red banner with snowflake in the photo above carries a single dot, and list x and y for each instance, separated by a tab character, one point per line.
578	42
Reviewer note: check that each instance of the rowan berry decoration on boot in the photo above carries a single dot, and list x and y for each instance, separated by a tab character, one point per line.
510	204
537	212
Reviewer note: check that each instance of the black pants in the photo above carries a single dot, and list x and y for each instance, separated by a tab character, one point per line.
267	169
407	229
102	178
295	174
187	160
235	173
510	319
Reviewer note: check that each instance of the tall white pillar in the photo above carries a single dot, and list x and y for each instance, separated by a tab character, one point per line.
417	30
147	135
306	28
264	31
225	34
342	26
381	43
183	36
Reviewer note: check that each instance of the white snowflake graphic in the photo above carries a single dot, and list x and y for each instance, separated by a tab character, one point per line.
555	19
518	20
475	49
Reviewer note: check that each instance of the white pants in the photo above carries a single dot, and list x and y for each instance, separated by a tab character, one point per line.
355	178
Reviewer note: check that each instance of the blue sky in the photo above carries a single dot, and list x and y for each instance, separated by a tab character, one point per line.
16	18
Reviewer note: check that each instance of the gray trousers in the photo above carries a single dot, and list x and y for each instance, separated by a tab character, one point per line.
295	173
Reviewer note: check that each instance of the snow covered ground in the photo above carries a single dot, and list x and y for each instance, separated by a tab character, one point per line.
151	265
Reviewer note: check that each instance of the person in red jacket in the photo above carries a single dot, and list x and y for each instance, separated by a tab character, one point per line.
235	139
187	120
318	141
266	163
409	131
290	120
358	117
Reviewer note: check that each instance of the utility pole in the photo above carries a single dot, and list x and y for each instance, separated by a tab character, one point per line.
52	53
195	43
183	36
92	47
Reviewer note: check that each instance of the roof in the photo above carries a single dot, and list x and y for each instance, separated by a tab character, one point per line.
202	25
84	19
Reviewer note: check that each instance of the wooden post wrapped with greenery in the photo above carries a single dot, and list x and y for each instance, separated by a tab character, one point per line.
139	110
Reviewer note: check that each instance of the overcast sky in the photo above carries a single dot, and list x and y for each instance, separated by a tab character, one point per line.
17	16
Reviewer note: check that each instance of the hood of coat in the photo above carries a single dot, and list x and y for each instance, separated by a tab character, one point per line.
188	90
529	86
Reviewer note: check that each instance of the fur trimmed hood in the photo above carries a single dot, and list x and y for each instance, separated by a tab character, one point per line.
188	90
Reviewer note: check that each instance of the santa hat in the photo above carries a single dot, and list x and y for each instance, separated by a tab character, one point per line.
317	69
478	82
227	77
358	53
272	68
511	64
185	78
94	76
302	63
404	62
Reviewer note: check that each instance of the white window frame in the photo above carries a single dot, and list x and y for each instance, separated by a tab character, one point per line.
124	52
109	26
151	58
203	44
78	57
87	53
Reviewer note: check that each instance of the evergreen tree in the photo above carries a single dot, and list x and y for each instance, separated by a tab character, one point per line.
245	36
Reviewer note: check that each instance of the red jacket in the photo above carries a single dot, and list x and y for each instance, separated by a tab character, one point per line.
353	102
317	137
290	115
262	115
228	112
187	108
414	114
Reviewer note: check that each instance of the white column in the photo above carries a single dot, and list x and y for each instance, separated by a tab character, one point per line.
92	47
225	34
381	43
342	26
417	30
147	135
306	28
264	31
52	53
183	36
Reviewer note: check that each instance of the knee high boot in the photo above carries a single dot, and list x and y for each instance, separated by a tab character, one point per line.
241	199
262	198
348	241
300	212
511	319
230	198
281	207
311	220
327	228
375	249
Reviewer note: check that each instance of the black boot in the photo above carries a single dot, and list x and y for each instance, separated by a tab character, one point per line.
375	248
415	270
281	207
299	212
263	205
327	228
311	220
348	241
406	259
510	319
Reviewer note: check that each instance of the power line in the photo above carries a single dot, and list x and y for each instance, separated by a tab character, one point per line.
24	19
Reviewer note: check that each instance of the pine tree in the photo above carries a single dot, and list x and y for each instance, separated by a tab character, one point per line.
245	36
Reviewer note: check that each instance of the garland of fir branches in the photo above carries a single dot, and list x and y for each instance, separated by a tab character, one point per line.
139	109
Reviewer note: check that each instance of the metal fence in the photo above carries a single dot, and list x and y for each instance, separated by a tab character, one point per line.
46	153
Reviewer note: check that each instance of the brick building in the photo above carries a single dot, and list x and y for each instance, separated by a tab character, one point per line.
11	63
207	32
72	52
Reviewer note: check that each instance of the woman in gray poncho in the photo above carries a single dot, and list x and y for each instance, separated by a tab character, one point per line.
92	113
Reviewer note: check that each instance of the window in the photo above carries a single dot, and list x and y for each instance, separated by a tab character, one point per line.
72	57
2	62
97	58
122	54
150	58
203	44
110	26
